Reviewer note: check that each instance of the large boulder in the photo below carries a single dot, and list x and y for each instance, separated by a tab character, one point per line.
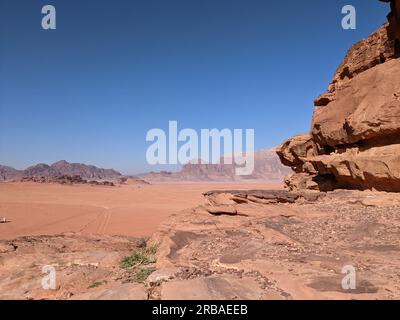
295	151
366	108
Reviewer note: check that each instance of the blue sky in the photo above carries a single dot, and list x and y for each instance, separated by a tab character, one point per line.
112	70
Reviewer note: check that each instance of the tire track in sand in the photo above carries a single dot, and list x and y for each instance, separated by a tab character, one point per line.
101	229
102	219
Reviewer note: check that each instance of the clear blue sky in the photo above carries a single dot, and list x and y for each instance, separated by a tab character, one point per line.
90	90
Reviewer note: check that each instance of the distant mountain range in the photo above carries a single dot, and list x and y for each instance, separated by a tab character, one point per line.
267	167
58	169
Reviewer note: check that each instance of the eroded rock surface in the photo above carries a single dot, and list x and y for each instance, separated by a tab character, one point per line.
87	267
292	247
355	132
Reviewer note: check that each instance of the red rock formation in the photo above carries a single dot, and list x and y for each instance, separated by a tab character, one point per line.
267	167
365	108
355	133
394	16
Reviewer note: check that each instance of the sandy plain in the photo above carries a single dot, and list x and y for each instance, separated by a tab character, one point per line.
129	210
269	250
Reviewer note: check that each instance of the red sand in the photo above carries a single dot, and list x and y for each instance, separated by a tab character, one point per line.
37	209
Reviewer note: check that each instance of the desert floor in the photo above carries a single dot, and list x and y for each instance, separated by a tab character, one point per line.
278	245
37	209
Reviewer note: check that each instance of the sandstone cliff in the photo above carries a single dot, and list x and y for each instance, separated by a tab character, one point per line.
267	167
354	141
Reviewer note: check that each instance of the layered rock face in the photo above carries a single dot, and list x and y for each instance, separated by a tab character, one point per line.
267	167
354	141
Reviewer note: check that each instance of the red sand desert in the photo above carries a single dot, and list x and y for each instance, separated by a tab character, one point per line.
36	209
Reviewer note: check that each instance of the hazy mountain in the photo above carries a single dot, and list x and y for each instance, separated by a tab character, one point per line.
57	169
267	167
8	173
